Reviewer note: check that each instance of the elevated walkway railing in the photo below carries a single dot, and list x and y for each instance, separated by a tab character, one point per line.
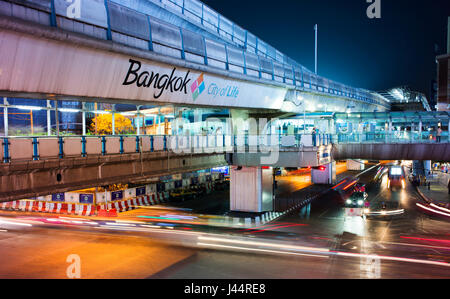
392	138
48	147
41	148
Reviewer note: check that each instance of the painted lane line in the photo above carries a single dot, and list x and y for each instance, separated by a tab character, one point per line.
256	243
432	210
417	245
259	250
391	258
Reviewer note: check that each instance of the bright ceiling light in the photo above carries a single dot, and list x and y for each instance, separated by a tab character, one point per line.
29	107
128	113
68	110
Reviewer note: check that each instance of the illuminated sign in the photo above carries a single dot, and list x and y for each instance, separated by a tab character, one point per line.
396	171
86	198
102	74
227	91
140	191
174	83
161	82
197	87
224	170
58	197
116	195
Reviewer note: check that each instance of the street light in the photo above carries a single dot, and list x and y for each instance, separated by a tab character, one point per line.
315	47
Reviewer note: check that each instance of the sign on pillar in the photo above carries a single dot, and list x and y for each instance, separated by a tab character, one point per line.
324	174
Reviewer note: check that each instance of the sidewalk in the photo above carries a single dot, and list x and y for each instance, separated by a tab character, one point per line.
438	194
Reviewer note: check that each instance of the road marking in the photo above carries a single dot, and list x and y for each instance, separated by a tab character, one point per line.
385	231
14	223
323	251
260	250
320	216
393	258
277	227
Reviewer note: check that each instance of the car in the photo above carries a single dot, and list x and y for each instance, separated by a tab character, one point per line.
360	187
396	177
357	200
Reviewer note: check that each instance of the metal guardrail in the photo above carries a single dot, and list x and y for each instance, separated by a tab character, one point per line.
130	23
47	147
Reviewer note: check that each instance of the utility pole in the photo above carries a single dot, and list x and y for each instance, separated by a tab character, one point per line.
315	48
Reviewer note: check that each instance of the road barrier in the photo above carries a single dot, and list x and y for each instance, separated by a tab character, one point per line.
50	207
85	209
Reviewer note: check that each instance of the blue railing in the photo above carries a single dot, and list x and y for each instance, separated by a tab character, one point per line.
395	137
133	25
48	147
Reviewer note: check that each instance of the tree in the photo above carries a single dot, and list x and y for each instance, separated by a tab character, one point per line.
104	124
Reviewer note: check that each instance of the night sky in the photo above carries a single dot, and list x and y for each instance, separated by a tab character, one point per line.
377	54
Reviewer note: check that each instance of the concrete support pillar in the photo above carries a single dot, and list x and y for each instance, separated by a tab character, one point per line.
251	189
331	127
95	118
49	119
5	116
418	168
427	167
138	129
242	124
389	132
83	118
355	164
325	175
198	120
56	118
420	130
113	123
113	120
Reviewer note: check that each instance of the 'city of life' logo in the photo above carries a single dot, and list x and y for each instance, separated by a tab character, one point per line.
197	87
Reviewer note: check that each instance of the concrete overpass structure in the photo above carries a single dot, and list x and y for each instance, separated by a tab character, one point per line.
33	166
397	151
123	52
181	53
